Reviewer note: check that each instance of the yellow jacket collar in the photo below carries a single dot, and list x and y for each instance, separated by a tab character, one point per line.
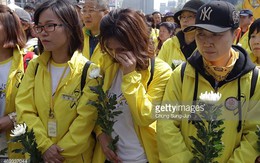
46	55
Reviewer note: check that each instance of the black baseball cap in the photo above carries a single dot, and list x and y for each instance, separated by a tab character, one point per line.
216	16
246	13
192	6
169	14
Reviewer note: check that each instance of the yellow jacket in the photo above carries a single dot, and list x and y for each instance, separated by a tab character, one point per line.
86	49
154	33
243	42
173	135
13	83
141	101
254	60
171	51
75	121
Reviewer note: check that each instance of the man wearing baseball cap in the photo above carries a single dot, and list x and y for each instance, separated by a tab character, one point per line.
245	20
181	46
222	68
169	17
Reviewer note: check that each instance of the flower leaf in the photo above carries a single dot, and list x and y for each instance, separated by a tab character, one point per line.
19	151
199	146
207	144
3	151
28	141
258	140
105	105
94	89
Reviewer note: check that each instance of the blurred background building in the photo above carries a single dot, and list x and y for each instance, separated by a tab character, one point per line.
146	6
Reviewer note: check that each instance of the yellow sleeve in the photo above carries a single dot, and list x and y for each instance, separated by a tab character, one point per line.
171	51
247	149
171	144
141	101
164	52
26	109
79	135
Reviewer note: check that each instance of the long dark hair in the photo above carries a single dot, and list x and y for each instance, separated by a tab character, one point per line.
12	27
68	15
130	29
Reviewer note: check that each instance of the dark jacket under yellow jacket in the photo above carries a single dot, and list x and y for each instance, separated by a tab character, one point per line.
240	146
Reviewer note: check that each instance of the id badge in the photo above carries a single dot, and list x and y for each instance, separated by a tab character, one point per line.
52	128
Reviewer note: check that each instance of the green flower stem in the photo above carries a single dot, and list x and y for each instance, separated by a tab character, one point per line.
3	151
105	106
29	144
207	146
207	159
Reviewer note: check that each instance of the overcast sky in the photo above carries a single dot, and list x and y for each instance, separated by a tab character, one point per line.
157	3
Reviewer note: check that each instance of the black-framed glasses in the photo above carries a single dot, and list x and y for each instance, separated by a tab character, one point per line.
190	17
46	27
90	10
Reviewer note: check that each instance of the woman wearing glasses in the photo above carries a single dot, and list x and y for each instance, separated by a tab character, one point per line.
11	71
181	46
49	100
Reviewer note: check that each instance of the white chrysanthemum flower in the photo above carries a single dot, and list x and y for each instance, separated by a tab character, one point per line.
94	73
20	129
210	97
177	62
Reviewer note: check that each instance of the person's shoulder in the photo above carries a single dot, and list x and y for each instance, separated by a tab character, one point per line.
169	45
79	60
184	69
171	41
161	65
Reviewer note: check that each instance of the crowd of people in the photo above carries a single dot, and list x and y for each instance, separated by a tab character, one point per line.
147	63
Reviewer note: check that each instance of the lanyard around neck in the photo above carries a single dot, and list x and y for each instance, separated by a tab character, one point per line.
53	96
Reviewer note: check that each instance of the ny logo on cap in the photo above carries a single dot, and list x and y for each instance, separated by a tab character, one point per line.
205	13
